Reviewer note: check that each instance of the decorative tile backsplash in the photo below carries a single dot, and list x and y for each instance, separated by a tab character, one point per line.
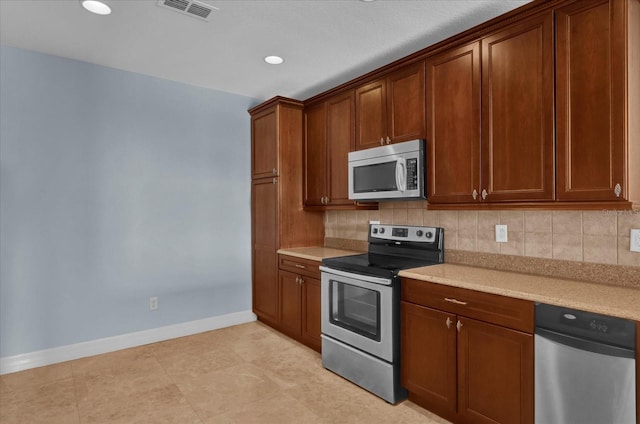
600	237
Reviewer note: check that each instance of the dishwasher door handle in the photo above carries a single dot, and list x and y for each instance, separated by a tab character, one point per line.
587	345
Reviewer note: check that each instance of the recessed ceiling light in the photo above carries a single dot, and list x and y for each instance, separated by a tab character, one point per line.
273	60
97	7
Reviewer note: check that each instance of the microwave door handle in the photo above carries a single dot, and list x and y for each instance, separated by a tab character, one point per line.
401	172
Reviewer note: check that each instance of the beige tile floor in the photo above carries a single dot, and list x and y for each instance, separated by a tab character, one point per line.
243	374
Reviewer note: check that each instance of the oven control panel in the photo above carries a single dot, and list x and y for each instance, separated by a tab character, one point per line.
403	233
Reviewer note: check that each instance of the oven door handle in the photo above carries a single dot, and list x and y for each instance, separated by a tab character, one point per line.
367	278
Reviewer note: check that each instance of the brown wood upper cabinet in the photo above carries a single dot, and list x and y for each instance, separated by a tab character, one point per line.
391	109
509	156
594	67
329	132
264	144
517	113
453	125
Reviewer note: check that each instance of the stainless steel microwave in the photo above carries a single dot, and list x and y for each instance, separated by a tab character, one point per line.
393	172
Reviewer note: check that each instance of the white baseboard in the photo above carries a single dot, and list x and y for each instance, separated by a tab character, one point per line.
55	355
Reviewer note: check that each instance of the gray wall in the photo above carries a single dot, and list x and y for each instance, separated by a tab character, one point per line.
115	187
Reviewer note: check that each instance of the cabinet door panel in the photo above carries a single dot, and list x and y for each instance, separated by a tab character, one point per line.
453	124
290	306
428	357
590	86
311	312
495	374
340	140
264	213
315	152
406	103
371	114
264	144
518	132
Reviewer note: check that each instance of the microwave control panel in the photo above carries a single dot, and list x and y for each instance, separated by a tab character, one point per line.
412	174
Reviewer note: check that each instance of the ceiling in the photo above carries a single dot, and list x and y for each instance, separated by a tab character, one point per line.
324	42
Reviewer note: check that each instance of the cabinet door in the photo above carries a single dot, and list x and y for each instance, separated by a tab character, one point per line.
406	103
264	217
315	120
517	123
340	141
264	144
453	124
371	115
290	315
590	96
495	374
311	312
428	357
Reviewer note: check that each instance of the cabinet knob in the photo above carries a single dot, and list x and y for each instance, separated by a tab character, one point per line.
381	141
474	194
617	190
449	322
275	180
484	194
388	140
275	171
297	280
301	280
458	326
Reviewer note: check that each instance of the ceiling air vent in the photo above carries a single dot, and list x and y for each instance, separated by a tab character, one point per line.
191	8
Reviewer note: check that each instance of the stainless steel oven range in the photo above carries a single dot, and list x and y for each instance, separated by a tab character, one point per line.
361	305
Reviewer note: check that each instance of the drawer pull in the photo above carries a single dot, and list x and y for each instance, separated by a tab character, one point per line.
457	302
459	326
449	322
300	266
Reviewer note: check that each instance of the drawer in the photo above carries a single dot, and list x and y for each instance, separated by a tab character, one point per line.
500	310
299	266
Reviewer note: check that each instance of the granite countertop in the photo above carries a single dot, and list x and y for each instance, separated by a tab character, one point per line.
317	253
617	301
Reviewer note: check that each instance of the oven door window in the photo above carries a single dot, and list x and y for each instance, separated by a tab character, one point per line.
376	177
356	309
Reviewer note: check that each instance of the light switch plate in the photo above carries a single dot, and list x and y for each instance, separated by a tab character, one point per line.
501	233
635	240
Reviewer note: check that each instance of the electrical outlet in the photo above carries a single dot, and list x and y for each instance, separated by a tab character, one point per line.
501	233
635	241
153	303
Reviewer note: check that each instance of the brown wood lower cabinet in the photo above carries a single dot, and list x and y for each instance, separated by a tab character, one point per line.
464	366
299	300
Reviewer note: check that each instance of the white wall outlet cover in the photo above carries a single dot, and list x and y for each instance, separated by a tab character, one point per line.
374	222
501	233
635	240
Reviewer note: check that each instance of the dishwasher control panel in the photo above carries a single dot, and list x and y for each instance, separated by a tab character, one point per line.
596	327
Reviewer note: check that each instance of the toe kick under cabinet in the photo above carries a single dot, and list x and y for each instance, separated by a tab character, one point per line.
466	355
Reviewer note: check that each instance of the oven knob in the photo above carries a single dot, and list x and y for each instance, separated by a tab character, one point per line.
429	234
419	233
375	231
381	230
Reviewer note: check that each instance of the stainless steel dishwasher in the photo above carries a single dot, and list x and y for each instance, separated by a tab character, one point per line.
585	367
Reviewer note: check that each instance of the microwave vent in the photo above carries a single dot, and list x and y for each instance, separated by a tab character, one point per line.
193	8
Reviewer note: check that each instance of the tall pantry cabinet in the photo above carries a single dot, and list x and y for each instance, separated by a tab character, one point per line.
277	216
